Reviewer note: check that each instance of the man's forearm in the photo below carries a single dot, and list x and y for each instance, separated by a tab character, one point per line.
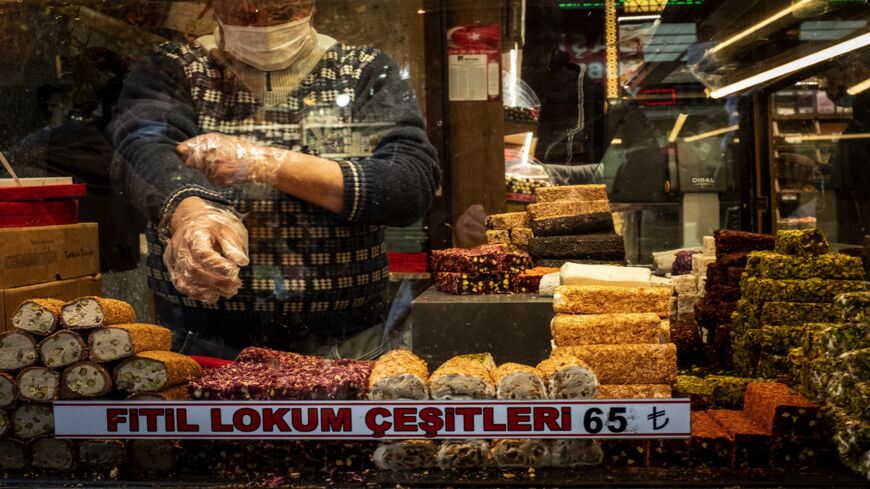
312	179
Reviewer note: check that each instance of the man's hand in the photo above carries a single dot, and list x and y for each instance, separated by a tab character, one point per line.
206	250
228	160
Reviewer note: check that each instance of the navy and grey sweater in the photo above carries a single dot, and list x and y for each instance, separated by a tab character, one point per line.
310	269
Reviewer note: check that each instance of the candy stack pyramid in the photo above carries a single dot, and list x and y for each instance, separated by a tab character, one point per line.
611	319
785	293
721	285
573	224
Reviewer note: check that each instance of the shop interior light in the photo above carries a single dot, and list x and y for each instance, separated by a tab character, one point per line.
825	137
766	22
792	66
856	89
710	134
514	75
678	126
638	18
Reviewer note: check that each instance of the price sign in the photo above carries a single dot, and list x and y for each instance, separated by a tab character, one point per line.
373	420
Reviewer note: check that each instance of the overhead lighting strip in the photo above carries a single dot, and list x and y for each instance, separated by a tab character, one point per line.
764	23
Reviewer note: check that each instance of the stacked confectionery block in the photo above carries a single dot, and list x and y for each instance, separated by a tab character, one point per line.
573	224
785	294
511	229
835	371
621	331
90	348
721	286
487	269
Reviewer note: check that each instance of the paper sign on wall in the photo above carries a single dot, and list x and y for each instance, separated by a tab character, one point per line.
474	62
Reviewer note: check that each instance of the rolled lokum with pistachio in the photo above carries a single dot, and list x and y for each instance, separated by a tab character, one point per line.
406	455
523	454
153	456
399	374
5	423
515	381
174	393
568	377
101	455
8	391
598	329
463	454
49	453
38	384
853	306
39	317
62	349
96	312
13	455
124	340
85	380
17	350
575	453
609	300
465	377
155	370
628	364
801	242
32	420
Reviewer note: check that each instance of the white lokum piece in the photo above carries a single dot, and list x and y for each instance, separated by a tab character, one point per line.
685	284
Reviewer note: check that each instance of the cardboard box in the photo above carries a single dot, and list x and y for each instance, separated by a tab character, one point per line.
65	290
37	255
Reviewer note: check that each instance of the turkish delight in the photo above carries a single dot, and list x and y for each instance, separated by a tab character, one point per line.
598	222
853	306
711	444
463	454
155	370
686	336
174	393
32	420
49	453
529	282
153	456
547	210
729	391
521	236
797	313
464	377
473	284
40	317
580	274
560	263
835	266
38	384
685	284
801	242
507	221
13	455
8	391
406	455
626	453
123	340
732	241
572	193
549	282
96	312
793	451
666	453
17	351
586	246
498	237
522	454
751	443
780	339
101	455
576	453
483	259
62	349
597	329
628	364
738	259
835	339
399	374
634	391
747	350
774	407
90	379
698	390
568	377
611	300
811	290
683	262
773	366
856	362
521	382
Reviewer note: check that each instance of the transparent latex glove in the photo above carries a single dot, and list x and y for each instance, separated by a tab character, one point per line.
207	248
228	160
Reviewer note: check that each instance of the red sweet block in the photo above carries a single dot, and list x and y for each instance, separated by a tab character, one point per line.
711	444
483	259
775	408
731	241
738	259
529	282
626	453
751	443
716	275
669	453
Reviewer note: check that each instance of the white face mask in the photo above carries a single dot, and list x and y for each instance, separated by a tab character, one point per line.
267	48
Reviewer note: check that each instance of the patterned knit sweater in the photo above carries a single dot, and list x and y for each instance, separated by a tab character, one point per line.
310	268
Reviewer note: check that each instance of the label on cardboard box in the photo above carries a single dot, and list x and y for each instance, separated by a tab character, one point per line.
36	255
65	290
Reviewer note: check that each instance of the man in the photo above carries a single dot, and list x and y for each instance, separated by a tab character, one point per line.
216	137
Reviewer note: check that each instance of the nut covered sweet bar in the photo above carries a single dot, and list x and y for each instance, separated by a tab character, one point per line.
572	193
834	266
473	284
634	391
801	242
774	407
516	381
811	290
598	329
797	313
547	210
399	374
627	364
612	300
507	221
483	259
853	306
464	377
598	222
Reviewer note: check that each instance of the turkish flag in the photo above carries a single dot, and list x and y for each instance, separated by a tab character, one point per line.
475	36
